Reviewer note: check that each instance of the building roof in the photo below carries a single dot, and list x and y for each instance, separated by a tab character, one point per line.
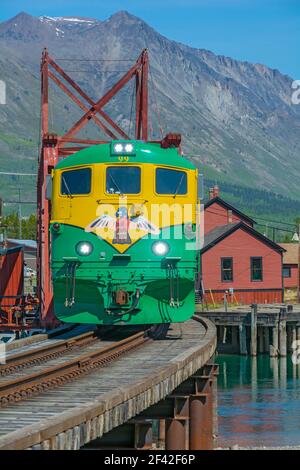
230	207
10	250
219	233
27	244
291	254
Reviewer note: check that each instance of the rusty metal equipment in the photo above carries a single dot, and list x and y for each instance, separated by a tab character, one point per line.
121	297
17	310
54	147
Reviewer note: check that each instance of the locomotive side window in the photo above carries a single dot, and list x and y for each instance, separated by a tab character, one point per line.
76	182
123	180
171	181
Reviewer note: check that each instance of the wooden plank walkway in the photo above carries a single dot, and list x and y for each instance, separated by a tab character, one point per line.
82	410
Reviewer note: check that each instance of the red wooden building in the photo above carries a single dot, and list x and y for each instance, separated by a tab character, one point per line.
290	266
237	260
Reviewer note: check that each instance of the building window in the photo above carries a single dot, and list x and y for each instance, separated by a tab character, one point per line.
256	269
76	181
286	271
227	269
171	181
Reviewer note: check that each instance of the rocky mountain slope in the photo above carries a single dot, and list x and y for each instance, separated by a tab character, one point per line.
236	118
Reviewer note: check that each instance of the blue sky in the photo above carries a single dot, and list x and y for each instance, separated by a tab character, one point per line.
265	31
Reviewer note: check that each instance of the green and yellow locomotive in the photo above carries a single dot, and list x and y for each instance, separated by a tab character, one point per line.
124	218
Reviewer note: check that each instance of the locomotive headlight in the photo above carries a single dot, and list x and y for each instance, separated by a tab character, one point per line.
160	248
122	148
84	248
129	148
118	148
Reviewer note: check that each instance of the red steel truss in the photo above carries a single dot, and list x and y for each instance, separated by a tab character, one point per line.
54	147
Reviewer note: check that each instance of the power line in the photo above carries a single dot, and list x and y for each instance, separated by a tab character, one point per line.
17	174
225	216
274	221
19	202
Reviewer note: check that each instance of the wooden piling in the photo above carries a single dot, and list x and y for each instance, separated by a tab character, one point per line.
283	372
253	338
260	340
234	338
243	341
224	335
274	346
289	339
294	337
266	336
282	338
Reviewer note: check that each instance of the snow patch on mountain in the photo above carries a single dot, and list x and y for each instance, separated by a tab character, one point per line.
66	19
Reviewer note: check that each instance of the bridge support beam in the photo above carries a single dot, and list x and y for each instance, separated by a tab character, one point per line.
176	434
187	419
136	434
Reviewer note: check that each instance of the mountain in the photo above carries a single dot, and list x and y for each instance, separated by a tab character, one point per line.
236	118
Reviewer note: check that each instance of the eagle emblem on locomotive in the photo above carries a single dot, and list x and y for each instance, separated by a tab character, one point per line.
122	224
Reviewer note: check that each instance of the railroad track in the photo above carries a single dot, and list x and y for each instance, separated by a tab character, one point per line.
27	384
45	352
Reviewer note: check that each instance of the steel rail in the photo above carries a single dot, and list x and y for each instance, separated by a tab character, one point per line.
45	352
22	387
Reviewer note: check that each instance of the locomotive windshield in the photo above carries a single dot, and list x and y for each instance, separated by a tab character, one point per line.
76	182
170	181
123	180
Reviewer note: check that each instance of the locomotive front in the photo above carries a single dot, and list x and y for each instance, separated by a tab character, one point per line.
123	235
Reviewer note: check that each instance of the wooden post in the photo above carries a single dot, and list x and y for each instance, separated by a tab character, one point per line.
254	378
260	340
224	334
274	367
288	338
266	339
274	346
235	341
282	338
283	372
253	341
294	337
243	342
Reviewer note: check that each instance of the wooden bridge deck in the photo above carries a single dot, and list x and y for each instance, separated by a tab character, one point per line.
82	410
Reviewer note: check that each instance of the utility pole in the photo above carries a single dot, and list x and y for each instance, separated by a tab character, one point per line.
1	233
298	283
20	215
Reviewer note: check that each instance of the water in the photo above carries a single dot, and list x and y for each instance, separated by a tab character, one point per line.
258	401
